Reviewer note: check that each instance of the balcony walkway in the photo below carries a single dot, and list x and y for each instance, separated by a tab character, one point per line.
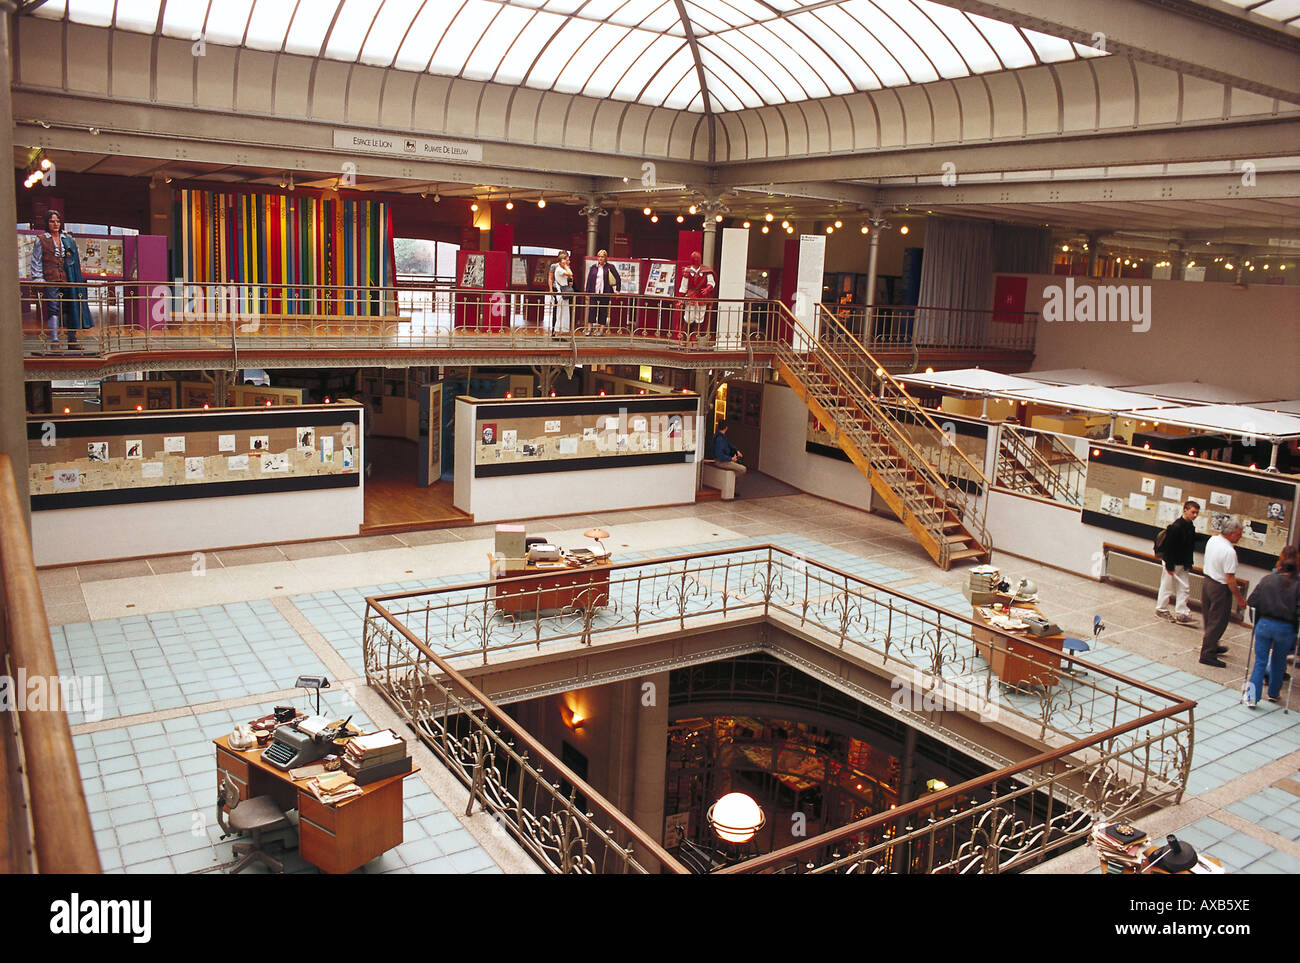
185	658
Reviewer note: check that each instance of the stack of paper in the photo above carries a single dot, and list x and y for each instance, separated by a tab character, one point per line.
1120	847
334	787
376	755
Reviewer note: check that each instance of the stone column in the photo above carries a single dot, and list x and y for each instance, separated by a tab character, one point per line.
593	212
651	695
13	423
877	222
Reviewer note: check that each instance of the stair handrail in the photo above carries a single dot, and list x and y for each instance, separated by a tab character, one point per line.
1030	459
1048	475
908	401
949	495
966	505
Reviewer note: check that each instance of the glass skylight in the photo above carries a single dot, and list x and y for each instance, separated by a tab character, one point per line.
752	53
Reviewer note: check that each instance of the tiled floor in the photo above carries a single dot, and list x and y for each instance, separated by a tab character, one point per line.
232	640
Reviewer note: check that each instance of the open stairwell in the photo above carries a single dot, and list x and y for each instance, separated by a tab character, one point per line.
851	395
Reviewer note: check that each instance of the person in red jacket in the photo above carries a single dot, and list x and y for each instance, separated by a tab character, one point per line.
696	288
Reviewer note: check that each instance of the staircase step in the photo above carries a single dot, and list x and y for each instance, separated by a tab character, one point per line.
967	553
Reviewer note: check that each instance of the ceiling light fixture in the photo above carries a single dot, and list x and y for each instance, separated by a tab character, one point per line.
745	225
474	206
717	218
766	229
768	217
646	211
691	209
904	229
838	224
680	218
541	203
654	218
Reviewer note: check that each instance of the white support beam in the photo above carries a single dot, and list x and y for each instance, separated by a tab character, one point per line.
1217	45
1226	186
221	137
1244	141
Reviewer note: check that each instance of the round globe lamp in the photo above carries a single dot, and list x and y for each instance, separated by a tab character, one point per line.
736	818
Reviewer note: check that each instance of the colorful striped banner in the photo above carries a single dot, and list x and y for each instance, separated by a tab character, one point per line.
268	243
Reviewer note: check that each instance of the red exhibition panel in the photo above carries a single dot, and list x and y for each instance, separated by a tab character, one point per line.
489	272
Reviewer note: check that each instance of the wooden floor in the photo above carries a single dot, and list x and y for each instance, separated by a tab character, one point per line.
393	500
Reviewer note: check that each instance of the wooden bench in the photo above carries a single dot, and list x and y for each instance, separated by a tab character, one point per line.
715	477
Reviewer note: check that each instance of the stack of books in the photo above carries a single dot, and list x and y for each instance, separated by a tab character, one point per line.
377	755
1120	847
334	787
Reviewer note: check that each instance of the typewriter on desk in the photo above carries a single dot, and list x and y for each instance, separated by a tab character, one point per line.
305	741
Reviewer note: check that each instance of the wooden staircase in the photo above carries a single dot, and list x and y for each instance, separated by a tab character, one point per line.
849	394
1056	474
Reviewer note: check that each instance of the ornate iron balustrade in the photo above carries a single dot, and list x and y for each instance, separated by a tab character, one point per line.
1114	744
133	317
564	824
892	327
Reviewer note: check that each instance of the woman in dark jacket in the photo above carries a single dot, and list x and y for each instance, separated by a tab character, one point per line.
1276	600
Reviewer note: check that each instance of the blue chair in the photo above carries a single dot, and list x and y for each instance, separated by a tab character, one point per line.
1072	646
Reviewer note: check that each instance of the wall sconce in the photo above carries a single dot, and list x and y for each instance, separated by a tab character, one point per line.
572	718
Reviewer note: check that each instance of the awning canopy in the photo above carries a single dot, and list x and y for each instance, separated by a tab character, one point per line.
1082	376
1199	392
1230	419
1092	398
1289	407
978	381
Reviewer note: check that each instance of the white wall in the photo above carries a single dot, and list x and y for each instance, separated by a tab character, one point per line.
66	535
563	492
1204	331
1054	535
782	455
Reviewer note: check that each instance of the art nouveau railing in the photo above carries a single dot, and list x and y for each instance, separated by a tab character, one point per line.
1111	745
131	317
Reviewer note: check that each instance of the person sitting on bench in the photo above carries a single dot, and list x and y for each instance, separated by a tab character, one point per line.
727	456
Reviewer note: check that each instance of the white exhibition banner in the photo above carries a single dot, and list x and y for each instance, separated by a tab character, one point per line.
404	145
731	287
808	287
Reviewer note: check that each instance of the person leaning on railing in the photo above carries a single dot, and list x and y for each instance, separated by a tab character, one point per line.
61	292
561	287
1277	615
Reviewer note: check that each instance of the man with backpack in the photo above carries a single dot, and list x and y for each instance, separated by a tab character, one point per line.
1174	546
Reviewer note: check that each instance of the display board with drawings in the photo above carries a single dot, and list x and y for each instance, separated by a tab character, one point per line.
1142	494
578	434
76	462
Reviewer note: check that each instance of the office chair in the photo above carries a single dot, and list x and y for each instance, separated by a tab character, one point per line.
255	817
1073	646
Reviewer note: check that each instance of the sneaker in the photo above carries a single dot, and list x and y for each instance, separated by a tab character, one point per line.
1273	699
1215	662
1248	703
1184	619
1165	614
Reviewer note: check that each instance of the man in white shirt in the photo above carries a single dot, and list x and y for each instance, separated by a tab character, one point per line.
1218	590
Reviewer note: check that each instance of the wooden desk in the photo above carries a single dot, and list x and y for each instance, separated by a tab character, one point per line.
551	588
338	839
1014	661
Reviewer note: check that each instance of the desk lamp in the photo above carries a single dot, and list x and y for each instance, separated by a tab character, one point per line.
597	534
316	682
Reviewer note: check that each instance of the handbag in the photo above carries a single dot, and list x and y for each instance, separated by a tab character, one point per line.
566	288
